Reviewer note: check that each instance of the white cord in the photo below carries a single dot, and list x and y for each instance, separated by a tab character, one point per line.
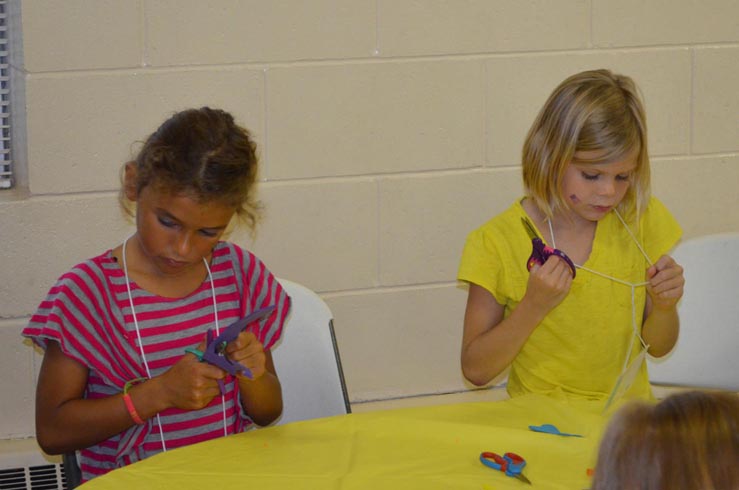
141	346
633	287
138	335
649	261
218	332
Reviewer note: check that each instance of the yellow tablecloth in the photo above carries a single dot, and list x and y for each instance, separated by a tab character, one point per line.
414	448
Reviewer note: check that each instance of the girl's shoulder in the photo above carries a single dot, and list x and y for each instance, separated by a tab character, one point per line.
230	252
655	218
657	229
89	286
656	212
501	236
100	267
246	266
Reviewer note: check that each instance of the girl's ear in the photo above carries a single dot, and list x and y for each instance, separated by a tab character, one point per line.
129	181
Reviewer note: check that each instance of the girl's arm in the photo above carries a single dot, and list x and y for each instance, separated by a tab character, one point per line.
491	342
661	323
261	396
66	421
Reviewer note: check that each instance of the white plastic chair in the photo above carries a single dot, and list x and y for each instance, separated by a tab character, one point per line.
707	351
307	359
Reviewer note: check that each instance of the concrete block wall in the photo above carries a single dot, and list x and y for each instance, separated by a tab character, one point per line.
388	129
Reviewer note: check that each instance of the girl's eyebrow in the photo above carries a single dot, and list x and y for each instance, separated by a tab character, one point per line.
168	215
165	212
597	168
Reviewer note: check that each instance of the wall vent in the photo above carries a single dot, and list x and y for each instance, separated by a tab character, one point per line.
28	469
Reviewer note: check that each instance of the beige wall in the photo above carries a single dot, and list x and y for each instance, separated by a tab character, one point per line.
388	129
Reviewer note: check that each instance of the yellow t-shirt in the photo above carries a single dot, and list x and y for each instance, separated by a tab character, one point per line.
580	347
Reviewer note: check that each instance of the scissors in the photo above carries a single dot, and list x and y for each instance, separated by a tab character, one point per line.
215	349
510	463
542	252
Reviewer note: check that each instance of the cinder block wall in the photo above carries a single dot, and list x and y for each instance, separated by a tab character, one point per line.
388	129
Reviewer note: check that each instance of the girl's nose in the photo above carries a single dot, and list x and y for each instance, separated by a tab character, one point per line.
183	245
608	187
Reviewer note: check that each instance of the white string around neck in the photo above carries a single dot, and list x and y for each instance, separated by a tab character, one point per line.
631	285
141	345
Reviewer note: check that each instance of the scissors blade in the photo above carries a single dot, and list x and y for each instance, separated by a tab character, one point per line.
521	477
529	228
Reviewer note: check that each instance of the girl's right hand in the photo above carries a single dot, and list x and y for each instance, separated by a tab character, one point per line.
548	284
191	384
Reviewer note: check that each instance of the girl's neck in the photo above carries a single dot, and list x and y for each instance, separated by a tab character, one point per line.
568	232
146	276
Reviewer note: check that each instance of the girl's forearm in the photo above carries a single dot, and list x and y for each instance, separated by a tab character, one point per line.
660	330
82	423
488	355
261	398
66	421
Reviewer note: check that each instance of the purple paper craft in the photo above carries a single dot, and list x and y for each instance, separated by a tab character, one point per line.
214	350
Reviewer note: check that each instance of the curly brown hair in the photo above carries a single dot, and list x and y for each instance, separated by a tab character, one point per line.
204	154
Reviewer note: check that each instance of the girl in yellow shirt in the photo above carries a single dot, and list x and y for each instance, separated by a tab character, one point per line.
576	331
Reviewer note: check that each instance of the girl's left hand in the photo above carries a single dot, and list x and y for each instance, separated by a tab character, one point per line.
247	350
665	282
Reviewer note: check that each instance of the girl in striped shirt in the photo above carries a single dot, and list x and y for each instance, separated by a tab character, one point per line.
116	383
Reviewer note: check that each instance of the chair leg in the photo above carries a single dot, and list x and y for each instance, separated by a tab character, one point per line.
72	471
344	391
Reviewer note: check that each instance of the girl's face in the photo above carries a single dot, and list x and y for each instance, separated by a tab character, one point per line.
592	190
175	231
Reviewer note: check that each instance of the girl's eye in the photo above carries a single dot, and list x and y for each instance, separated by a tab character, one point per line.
623	177
166	222
588	176
209	233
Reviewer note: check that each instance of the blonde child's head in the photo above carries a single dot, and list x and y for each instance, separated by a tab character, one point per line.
591	117
688	441
199	153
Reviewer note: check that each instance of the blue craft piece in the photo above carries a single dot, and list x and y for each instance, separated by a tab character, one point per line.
550	429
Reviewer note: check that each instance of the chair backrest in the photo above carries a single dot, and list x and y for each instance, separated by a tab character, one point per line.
307	359
707	351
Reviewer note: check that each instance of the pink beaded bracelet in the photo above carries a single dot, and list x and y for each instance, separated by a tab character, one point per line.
129	403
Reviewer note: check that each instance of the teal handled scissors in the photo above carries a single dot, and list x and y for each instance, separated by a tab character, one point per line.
510	463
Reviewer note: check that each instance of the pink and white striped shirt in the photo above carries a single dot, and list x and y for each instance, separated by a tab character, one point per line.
88	313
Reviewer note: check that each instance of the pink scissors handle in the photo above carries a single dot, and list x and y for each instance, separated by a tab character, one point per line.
541	253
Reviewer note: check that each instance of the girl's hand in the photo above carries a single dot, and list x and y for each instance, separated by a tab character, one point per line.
248	351
665	282
549	283
191	384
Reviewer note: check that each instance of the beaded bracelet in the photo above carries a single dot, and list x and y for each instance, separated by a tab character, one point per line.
129	403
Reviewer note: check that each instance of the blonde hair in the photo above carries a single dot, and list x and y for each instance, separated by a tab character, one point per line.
593	111
688	441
